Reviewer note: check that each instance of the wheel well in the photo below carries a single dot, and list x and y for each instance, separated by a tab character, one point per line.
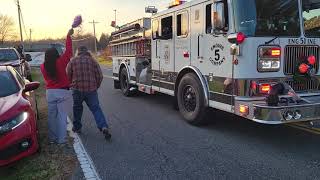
180	75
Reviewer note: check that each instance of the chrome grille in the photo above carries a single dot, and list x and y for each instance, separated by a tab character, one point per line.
293	55
310	85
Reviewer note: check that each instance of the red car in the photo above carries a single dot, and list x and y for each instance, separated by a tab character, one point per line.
18	116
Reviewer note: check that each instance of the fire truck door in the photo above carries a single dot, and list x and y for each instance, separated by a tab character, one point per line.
196	33
166	53
182	40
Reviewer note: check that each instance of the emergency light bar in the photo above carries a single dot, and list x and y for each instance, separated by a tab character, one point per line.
176	3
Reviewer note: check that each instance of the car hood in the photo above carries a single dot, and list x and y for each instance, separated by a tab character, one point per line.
11	105
10	63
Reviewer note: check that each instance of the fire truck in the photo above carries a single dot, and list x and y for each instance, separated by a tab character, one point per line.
258	59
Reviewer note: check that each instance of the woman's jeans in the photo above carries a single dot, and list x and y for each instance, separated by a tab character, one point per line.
92	101
59	101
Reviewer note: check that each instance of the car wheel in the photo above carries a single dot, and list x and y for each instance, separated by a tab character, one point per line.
191	100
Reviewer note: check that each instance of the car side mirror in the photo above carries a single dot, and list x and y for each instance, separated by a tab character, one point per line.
31	86
28	57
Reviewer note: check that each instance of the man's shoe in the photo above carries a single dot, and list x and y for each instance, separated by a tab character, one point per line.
106	133
78	131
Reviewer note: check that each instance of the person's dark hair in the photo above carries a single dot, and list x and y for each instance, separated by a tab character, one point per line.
50	59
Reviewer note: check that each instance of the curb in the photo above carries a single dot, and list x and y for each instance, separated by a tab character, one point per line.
86	163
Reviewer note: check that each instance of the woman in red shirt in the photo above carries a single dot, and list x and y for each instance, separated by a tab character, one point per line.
58	95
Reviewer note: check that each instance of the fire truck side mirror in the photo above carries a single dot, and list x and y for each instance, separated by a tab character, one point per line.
218	18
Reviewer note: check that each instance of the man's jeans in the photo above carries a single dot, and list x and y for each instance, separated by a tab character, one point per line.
92	101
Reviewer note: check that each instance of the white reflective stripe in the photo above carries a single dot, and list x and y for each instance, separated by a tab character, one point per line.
220	106
167	91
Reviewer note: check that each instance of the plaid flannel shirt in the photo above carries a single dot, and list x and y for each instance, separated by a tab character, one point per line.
84	73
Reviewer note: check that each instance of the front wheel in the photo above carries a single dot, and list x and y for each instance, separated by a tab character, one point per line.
191	99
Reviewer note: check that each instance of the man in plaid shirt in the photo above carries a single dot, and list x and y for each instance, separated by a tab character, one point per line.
86	77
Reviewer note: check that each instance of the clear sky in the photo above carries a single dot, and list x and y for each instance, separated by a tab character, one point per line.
52	18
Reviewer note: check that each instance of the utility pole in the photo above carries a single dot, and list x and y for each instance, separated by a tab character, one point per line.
94	34
19	15
30	34
115	19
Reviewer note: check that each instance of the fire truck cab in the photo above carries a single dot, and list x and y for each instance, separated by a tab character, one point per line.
258	59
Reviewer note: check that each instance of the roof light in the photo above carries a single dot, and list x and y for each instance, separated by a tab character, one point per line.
176	3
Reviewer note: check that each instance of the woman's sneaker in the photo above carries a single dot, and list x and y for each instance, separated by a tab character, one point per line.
106	133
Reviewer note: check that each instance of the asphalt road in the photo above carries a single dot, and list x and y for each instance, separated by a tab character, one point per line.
152	141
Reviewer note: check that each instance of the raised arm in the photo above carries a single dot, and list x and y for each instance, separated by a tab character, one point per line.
67	55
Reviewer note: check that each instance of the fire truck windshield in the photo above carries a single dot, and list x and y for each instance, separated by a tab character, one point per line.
267	17
311	17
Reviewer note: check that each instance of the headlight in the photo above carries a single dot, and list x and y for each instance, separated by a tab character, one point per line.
269	59
13	123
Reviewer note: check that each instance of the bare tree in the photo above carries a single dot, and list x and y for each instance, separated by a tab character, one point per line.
6	28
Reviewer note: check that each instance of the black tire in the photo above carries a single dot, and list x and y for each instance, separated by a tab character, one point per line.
124	82
191	100
116	84
175	104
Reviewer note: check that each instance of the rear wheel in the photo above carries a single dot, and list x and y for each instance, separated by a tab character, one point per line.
124	82
191	99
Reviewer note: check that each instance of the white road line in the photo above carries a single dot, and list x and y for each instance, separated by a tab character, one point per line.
84	159
106	76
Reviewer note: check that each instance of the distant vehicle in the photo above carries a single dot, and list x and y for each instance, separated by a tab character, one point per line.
37	51
10	56
18	115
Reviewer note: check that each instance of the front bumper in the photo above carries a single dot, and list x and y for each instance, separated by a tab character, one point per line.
259	111
14	144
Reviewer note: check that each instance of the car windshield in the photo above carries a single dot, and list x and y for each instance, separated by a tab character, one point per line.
311	17
8	55
8	85
267	17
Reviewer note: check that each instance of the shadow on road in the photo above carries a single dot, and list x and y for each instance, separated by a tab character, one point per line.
236	125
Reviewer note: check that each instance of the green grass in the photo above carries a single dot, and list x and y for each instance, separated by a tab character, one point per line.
104	61
51	162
